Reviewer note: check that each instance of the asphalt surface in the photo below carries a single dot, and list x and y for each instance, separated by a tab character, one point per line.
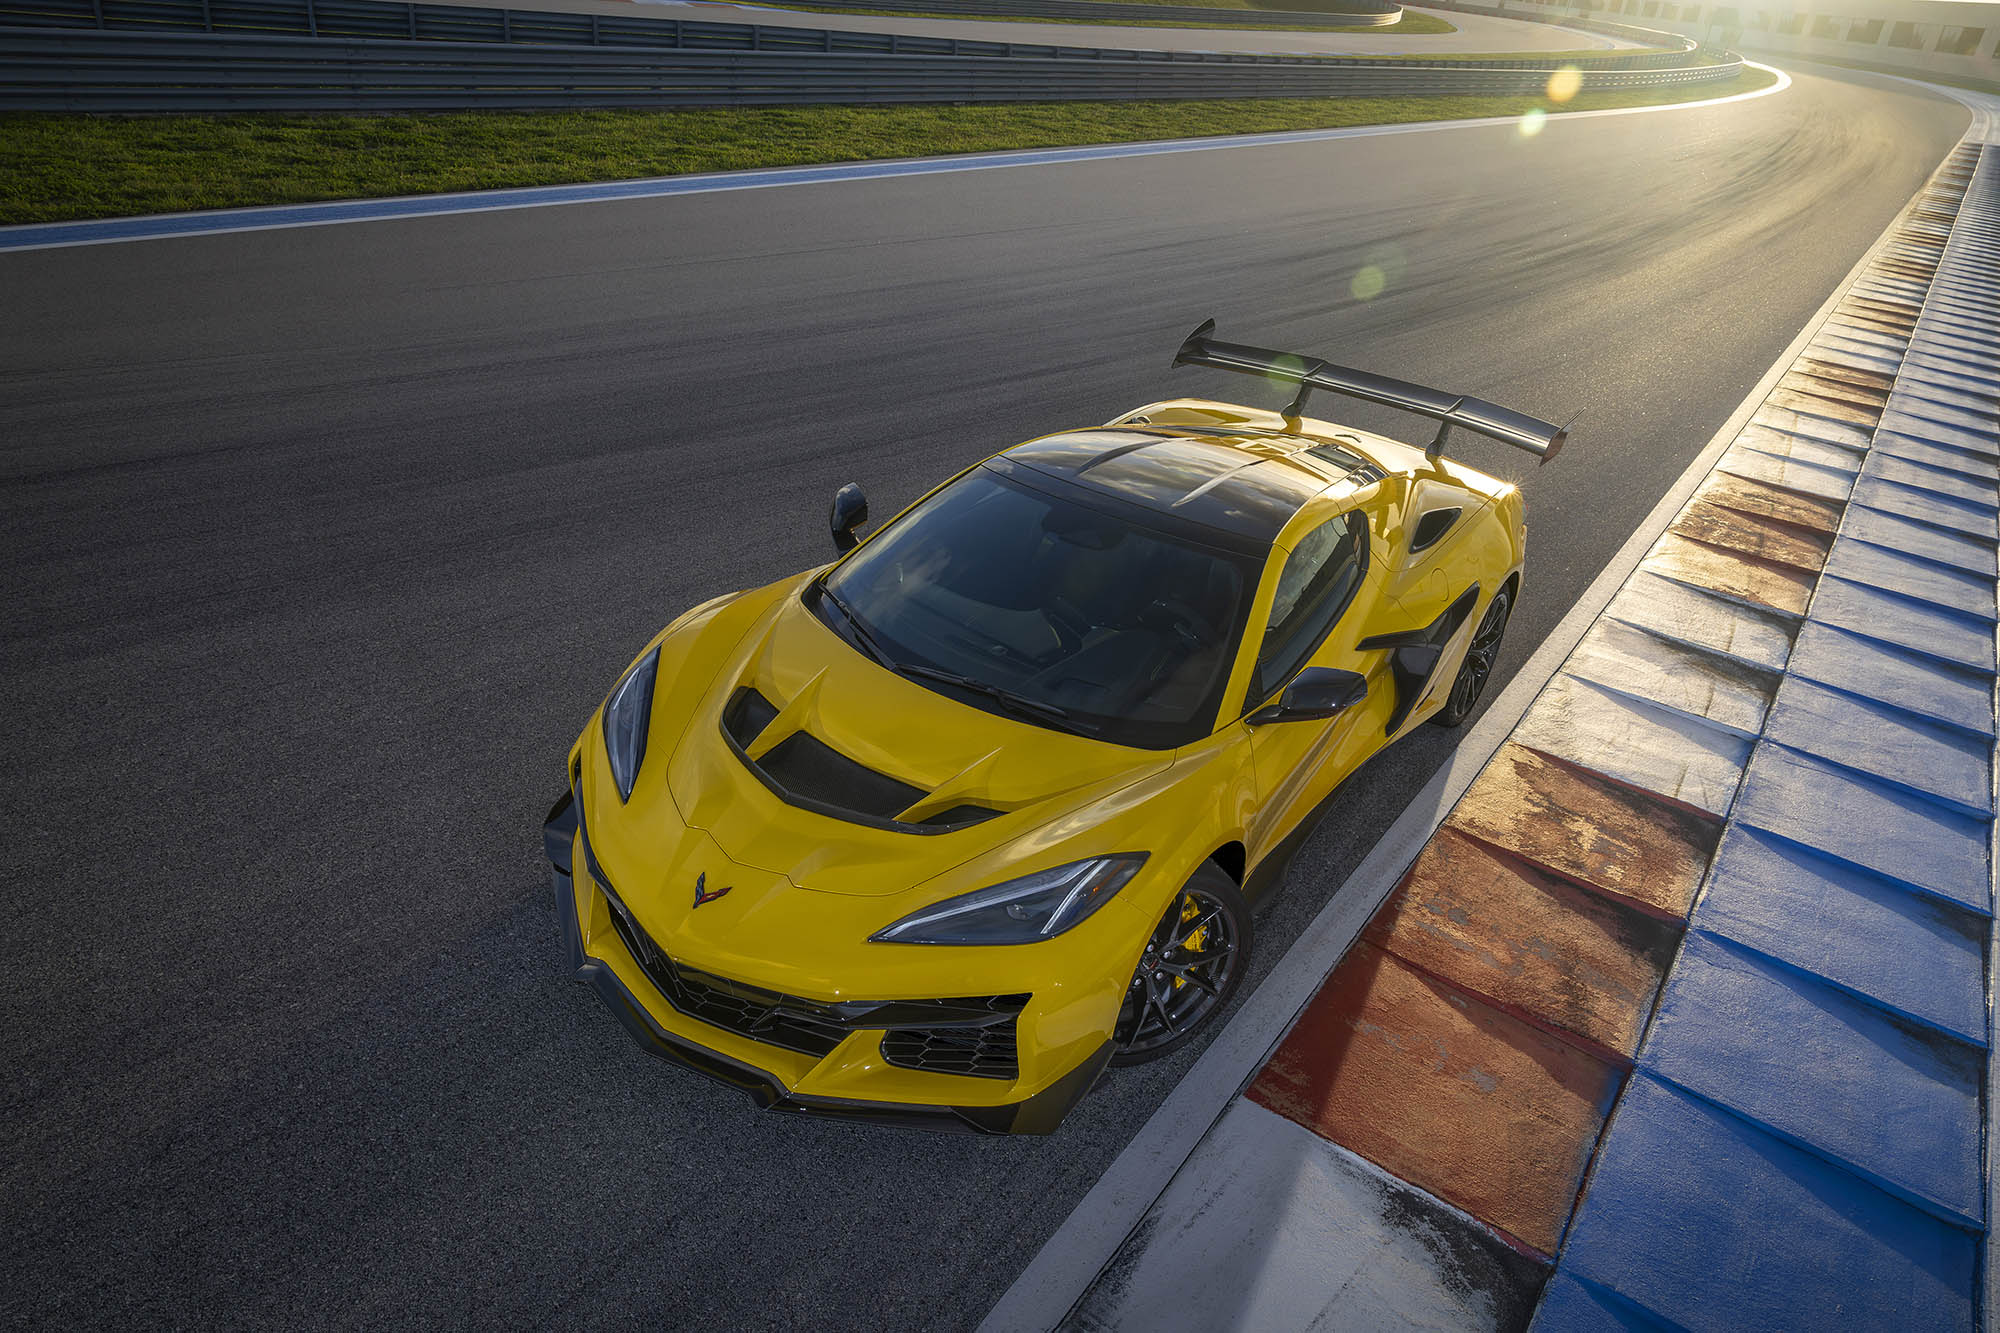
322	544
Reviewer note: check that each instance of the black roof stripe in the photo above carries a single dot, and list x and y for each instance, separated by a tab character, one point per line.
1202	480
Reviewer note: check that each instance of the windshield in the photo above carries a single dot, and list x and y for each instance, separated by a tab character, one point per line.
1048	610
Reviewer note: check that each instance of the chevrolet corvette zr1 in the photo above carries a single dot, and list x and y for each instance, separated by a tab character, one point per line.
937	832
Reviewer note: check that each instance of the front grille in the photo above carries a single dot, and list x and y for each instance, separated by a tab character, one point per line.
805	1026
987	1051
968	1043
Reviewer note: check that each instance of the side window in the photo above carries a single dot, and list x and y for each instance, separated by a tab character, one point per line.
1315	586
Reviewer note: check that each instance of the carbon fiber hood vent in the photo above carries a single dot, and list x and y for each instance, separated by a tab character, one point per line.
806	772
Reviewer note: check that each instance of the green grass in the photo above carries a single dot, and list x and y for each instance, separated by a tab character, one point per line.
54	168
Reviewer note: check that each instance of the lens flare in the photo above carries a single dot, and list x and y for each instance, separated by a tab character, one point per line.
1565	83
1286	368
1382	267
1531	123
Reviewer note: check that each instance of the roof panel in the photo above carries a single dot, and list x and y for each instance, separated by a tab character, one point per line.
1248	488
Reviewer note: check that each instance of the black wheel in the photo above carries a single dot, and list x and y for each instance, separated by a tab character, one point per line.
1189	970
1477	668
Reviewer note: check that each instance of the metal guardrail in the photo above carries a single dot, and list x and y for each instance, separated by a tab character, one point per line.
392	20
1650	36
329	18
1363	14
58	70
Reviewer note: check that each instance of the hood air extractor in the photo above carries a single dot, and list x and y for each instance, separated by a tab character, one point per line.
804	771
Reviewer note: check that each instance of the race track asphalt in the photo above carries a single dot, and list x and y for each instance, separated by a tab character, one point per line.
322	543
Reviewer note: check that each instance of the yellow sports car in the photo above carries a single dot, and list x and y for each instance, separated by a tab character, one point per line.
935	833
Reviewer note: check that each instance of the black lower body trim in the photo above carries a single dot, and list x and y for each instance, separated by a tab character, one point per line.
557	831
1041	1113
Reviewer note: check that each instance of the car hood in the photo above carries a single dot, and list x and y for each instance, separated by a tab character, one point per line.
813	794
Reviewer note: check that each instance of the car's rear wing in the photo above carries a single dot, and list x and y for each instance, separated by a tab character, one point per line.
1538	437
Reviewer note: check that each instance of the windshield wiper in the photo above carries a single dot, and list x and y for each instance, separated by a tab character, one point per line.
1020	703
868	641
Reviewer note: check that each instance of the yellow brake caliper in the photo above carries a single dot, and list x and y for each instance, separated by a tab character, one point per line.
1192	944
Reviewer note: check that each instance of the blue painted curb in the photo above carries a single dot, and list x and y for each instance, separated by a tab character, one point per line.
1914	955
1896	1104
1719	1226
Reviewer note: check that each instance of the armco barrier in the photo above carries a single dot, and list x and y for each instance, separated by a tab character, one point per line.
386	20
316	18
54	68
1630	32
1362	14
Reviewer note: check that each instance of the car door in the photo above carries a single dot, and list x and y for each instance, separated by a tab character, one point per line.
1325	576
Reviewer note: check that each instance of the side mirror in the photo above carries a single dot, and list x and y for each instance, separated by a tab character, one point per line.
1316	692
850	511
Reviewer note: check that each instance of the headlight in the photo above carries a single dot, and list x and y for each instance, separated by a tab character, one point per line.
1020	911
625	715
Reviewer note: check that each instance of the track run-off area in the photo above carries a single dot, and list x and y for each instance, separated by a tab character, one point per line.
324	541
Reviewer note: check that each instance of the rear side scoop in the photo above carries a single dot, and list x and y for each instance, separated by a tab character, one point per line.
1414	654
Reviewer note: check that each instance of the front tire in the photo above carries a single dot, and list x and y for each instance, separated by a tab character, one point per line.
1477	669
1192	964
